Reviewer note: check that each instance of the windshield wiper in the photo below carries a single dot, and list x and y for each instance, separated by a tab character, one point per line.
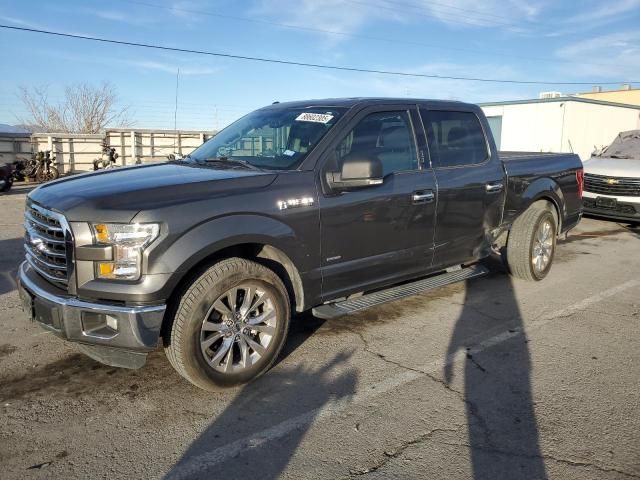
618	155
227	160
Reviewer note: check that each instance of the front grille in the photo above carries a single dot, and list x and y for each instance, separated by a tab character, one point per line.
620	186
45	243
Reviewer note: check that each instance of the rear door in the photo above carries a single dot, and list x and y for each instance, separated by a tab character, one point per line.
382	233
471	184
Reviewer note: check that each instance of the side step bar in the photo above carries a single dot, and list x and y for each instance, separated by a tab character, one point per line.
345	307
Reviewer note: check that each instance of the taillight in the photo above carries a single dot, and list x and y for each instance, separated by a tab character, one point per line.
580	179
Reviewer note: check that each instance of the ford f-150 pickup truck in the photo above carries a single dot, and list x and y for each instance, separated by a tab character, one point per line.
332	205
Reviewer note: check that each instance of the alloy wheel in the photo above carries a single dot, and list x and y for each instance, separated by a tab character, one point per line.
238	328
542	250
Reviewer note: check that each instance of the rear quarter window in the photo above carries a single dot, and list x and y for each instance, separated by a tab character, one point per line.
455	138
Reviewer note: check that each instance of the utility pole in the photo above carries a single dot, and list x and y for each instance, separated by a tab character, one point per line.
175	112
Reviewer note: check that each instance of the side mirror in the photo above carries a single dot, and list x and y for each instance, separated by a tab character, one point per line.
357	171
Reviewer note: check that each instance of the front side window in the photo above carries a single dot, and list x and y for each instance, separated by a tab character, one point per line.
455	138
275	138
385	135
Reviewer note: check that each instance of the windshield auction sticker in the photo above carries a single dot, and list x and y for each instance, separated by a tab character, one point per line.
314	117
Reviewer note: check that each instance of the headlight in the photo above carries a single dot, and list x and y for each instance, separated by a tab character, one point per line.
128	241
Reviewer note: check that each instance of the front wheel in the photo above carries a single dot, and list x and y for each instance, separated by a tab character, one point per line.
230	325
532	243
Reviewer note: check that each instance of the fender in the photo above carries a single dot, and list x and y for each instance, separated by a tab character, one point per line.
548	189
542	188
208	238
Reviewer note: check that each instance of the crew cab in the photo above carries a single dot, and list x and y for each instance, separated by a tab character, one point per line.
333	205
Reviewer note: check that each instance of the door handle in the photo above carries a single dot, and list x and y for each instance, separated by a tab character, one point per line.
423	197
493	187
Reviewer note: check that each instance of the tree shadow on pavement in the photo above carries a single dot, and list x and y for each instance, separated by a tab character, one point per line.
259	432
11	254
502	428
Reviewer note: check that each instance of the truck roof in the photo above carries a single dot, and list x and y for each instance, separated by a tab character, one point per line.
349	102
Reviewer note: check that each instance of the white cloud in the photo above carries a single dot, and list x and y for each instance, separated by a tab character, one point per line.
605	11
437	88
618	55
509	14
19	22
350	16
117	16
592	15
333	15
172	67
163	63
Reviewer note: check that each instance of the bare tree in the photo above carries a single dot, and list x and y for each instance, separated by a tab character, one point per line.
83	109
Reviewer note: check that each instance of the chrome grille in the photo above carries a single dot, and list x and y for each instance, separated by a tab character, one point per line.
621	186
45	243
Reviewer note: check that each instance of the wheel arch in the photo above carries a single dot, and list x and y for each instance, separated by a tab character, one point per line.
260	252
546	190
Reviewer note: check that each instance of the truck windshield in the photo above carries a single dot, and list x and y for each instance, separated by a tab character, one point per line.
626	145
272	138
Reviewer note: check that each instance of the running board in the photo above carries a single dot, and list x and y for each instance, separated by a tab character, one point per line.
345	307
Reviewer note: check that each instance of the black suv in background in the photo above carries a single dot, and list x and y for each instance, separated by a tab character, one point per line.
322	204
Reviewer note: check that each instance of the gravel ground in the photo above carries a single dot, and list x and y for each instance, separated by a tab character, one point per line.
492	379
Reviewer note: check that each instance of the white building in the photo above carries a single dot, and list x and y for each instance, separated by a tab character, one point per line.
560	124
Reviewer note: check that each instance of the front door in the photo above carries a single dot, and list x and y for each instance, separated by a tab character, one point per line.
382	233
471	186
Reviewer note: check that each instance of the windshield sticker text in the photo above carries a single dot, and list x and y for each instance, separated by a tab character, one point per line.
314	117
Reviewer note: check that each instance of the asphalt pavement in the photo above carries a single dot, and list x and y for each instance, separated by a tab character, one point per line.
490	379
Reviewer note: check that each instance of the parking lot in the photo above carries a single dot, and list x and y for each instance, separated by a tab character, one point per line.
494	378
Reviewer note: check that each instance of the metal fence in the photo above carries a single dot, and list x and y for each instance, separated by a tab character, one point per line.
76	152
13	147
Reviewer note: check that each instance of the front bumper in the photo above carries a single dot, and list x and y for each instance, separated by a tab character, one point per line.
623	209
117	335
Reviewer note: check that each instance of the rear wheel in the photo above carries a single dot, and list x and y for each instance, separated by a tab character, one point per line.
230	325
532	243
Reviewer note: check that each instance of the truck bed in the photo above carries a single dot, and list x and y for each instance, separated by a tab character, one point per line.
554	172
507	156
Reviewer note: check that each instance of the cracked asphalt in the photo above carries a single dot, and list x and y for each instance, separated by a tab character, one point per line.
489	379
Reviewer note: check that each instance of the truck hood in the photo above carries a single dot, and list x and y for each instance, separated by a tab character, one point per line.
117	195
613	167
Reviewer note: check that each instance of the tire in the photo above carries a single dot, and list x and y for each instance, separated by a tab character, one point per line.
199	319
523	243
6	185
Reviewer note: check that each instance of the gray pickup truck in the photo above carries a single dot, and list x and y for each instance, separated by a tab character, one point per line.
332	205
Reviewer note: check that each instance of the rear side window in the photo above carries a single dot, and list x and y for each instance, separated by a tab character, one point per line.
385	135
455	138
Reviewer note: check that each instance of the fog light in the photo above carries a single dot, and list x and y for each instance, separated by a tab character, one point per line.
112	322
99	325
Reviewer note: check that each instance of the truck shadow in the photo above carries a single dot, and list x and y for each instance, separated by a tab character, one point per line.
11	254
274	414
503	434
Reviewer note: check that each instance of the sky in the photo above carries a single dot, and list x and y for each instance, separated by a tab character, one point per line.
589	41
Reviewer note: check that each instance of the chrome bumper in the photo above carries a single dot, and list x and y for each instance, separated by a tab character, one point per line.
113	334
